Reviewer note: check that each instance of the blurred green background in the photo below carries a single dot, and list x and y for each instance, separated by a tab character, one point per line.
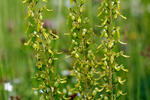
17	63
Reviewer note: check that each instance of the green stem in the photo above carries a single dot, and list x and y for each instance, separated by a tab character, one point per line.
85	70
110	36
48	78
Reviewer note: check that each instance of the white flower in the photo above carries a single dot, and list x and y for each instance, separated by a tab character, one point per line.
8	87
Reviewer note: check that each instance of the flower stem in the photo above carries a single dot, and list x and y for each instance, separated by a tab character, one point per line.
110	36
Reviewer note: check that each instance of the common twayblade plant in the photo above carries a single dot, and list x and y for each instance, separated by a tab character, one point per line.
84	70
94	78
113	72
40	39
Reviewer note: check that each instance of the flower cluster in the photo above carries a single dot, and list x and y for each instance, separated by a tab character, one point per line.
41	39
96	77
110	35
84	68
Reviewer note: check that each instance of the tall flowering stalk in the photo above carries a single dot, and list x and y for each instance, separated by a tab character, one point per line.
84	68
110	35
40	39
